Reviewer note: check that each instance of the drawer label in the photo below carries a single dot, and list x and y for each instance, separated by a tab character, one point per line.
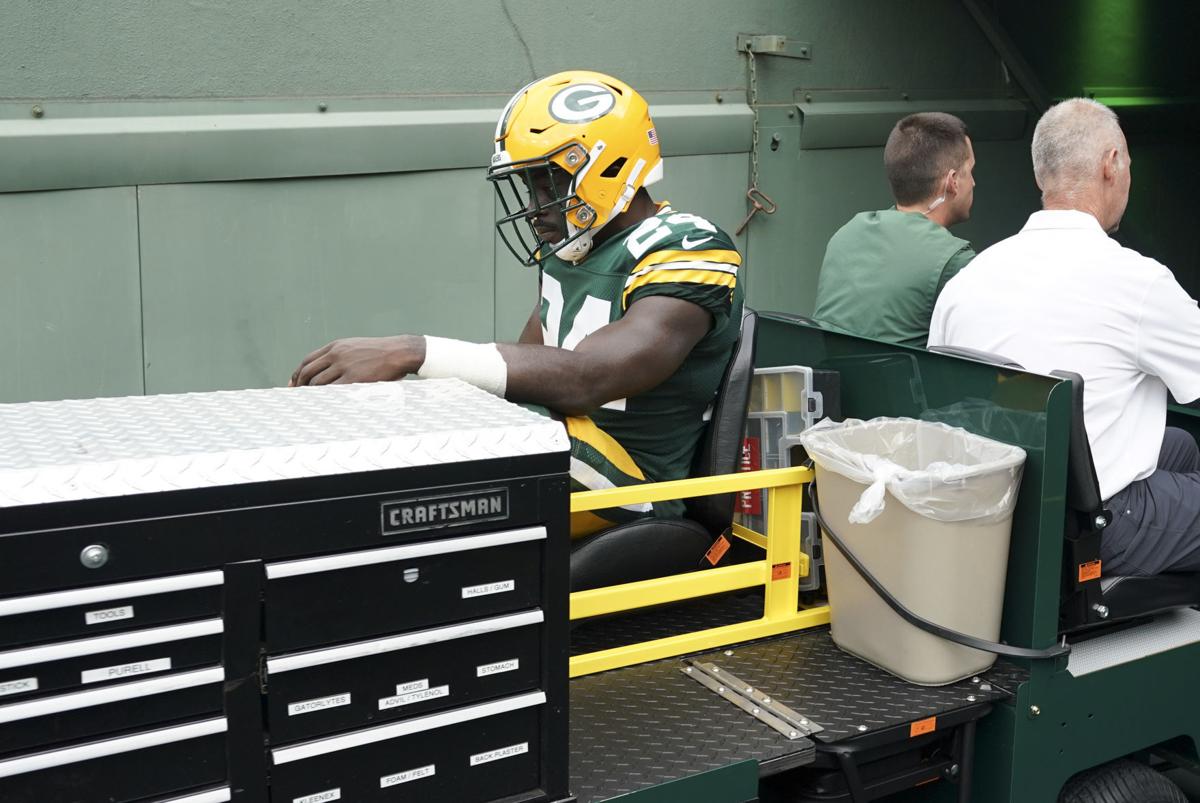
18	686
124	670
319	704
412	685
498	667
413	697
320	797
499	753
498	587
408	775
108	615
447	510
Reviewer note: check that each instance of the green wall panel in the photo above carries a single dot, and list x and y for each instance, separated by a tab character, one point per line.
818	191
241	280
290	48
70	317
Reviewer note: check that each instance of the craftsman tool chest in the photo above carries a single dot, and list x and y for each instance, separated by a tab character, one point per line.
343	593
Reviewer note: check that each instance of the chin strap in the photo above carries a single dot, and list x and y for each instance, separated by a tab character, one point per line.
913	619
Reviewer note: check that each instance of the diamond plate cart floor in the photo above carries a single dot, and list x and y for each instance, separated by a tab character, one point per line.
846	695
645	725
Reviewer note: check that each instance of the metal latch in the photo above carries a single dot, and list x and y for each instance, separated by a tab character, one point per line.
756	702
773	44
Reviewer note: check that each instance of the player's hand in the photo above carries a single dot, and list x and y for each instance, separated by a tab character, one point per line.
361	359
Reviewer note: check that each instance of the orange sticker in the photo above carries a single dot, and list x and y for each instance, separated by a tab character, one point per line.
1089	571
922	727
717	550
781	571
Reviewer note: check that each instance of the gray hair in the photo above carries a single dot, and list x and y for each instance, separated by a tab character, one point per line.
1069	142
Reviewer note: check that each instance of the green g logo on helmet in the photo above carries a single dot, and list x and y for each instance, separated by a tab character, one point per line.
582	103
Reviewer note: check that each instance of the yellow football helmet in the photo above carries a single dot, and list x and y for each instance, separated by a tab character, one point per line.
587	141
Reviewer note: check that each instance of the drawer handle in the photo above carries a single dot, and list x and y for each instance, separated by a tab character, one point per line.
110	694
382	733
117	641
369	557
105	593
110	747
361	649
221	795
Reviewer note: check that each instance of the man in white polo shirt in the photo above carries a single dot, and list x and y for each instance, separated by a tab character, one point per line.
1061	294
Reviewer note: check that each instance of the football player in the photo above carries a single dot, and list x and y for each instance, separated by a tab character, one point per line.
639	305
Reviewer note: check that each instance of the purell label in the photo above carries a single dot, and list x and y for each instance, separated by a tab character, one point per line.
503	752
498	587
497	668
124	670
412	685
108	615
414	697
408	775
320	797
18	686
318	704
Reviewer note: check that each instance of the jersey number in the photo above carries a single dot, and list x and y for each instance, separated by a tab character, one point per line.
593	314
654	230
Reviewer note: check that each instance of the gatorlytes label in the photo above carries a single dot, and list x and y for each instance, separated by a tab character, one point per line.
318	704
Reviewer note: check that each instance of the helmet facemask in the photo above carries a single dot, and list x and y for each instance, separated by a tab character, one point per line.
543	191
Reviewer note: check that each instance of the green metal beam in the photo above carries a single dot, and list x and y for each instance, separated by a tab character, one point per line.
174	148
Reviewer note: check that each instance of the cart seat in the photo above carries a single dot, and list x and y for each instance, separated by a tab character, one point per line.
650	547
1090	601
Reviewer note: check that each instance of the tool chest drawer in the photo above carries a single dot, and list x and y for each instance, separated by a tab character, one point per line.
68	665
109	608
354	595
33	562
72	717
122	769
324	691
468	755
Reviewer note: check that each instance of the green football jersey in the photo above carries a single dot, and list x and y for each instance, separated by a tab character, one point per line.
671	254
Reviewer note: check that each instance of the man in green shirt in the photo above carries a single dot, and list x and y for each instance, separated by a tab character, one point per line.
883	270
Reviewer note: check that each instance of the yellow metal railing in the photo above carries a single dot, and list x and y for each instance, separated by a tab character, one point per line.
779	571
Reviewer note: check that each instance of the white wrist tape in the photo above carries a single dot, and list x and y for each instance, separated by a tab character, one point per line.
481	364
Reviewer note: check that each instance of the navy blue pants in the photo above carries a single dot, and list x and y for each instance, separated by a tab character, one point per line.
1156	521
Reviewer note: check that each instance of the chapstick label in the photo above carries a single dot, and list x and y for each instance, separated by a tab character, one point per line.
18	686
412	685
320	797
499	587
503	752
414	697
319	704
108	615
497	668
408	775
124	670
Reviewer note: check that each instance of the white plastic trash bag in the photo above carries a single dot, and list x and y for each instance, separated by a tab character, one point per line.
938	471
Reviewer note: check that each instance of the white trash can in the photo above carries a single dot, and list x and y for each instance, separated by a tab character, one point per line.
927	508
